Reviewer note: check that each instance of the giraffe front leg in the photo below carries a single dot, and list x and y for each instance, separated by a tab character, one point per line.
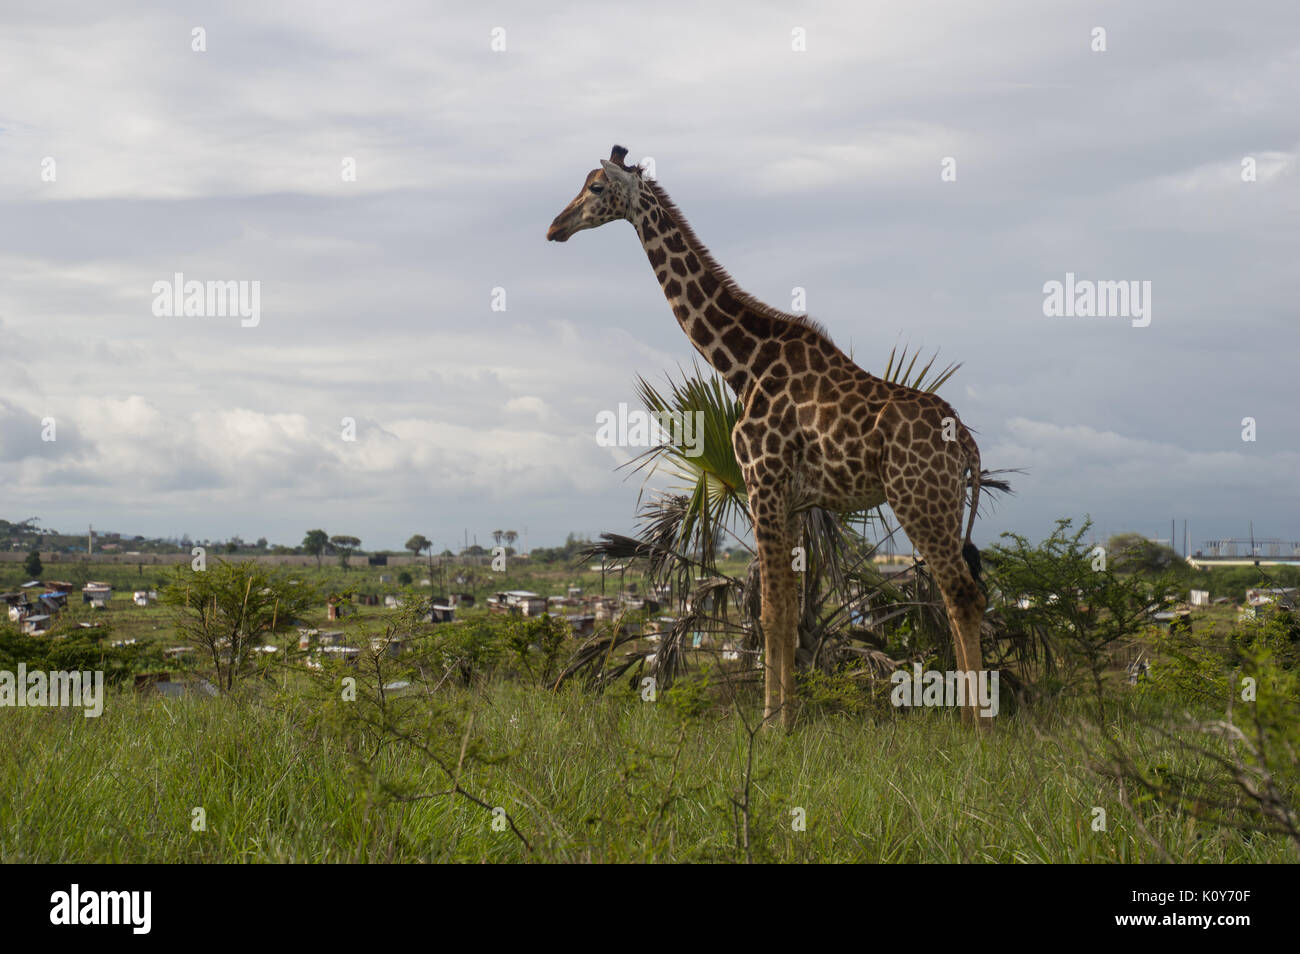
779	618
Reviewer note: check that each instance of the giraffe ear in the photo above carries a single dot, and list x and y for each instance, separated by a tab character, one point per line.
614	171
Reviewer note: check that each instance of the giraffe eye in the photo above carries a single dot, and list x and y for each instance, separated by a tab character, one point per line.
597	190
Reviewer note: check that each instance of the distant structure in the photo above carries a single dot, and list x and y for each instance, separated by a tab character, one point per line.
1246	551
1230	547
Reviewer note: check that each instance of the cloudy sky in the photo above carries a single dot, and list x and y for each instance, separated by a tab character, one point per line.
127	156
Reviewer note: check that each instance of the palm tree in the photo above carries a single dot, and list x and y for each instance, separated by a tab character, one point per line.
681	529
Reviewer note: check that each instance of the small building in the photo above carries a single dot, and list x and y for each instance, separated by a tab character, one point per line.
17	605
1278	597
388	646
53	602
347	654
517	602
335	609
1199	597
604	608
331	637
441	613
581	625
96	594
144	597
35	625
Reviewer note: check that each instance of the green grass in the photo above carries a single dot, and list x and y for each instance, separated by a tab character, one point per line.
586	778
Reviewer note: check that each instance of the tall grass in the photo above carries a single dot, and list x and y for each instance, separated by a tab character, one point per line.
586	778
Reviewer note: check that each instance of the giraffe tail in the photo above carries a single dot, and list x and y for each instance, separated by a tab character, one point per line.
969	551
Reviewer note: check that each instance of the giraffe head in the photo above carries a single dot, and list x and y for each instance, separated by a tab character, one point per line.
610	193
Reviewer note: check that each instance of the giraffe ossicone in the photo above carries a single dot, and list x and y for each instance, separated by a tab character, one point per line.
816	430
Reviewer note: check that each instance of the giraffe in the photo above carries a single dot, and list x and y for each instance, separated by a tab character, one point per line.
815	430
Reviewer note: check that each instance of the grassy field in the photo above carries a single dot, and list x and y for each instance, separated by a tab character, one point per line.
584	778
286	769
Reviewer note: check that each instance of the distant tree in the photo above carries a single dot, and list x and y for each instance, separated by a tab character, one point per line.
497	535
1134	553
405	578
417	543
232	546
344	545
1063	610
510	537
261	543
446	553
314	544
229	609
32	565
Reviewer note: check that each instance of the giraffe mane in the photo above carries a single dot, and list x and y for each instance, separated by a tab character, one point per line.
756	305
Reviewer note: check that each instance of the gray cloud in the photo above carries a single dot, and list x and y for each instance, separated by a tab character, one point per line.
817	169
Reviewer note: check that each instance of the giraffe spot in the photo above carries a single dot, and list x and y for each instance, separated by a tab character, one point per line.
721	360
662	275
773	444
758	405
679	267
740	344
709	283
648	231
727	303
692	262
716	318
694	295
768	353
817	362
673	288
756	324
701	334
657	257
675	243
798	360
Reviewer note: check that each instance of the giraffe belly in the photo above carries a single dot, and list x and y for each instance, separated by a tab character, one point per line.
849	486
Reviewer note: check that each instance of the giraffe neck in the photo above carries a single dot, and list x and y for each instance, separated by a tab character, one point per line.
731	331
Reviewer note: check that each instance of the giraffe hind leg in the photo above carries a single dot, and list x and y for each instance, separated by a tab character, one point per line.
934	527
